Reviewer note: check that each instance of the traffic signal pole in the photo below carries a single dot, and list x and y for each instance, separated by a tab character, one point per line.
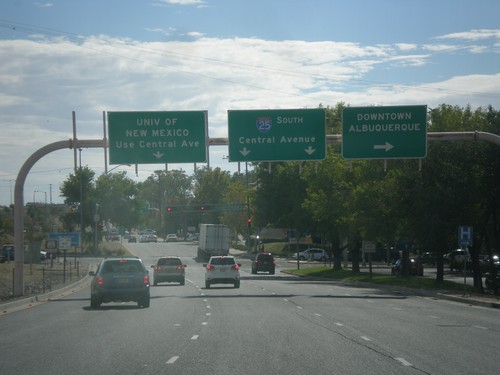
19	201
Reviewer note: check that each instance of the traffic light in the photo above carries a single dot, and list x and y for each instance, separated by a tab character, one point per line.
202	208
169	209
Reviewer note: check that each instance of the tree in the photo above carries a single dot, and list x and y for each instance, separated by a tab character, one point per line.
117	197
79	196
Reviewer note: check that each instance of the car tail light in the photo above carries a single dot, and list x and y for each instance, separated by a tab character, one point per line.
210	268
146	280
100	281
235	267
158	268
180	267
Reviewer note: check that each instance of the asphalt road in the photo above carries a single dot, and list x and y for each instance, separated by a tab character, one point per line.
272	324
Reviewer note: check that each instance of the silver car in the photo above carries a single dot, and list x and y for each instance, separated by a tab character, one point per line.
169	269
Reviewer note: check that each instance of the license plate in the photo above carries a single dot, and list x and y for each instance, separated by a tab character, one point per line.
222	270
123	280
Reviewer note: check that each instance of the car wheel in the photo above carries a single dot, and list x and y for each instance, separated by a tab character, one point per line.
95	303
144	302
237	284
207	284
182	282
271	272
155	283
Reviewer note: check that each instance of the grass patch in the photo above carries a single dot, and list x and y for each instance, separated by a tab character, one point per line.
379	279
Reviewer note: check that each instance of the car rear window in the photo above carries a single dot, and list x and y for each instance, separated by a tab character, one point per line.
222	261
122	266
169	262
265	256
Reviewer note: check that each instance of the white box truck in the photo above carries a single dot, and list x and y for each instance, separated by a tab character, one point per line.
214	240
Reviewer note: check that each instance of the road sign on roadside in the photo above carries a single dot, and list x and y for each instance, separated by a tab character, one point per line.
368	247
465	236
277	134
157	137
74	237
384	132
64	243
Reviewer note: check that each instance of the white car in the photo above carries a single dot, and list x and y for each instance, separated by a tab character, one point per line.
313	254
222	270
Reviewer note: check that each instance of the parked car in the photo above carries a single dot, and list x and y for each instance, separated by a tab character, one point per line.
416	268
120	280
427	258
222	270
456	260
264	262
7	253
169	269
172	237
313	254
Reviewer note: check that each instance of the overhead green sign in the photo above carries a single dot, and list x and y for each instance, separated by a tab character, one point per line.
384	132
157	137
277	134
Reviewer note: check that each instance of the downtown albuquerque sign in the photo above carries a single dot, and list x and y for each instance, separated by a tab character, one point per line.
384	132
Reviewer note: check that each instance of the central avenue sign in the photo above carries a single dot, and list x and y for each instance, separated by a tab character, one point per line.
277	134
157	137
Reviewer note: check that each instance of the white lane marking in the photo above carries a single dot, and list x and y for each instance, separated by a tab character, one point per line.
204	323
366	338
480	327
208	306
403	361
433	317
207	314
397	308
299	307
339	324
284	299
172	360
205	300
195	337
317	314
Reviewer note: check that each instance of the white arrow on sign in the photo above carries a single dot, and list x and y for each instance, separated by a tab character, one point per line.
158	154
310	150
245	151
387	146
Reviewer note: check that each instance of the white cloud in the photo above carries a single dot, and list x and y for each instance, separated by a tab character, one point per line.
475	34
406	46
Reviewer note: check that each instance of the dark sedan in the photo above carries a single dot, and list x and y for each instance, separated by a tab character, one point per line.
415	268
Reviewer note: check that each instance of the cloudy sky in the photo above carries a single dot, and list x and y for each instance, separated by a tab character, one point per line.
94	56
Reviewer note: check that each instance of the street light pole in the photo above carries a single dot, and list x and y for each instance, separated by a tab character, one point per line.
96	220
120	165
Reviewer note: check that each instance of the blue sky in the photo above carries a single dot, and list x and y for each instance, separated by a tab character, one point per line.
91	56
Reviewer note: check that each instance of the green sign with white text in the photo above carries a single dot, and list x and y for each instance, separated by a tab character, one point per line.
157	137
277	134
384	132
